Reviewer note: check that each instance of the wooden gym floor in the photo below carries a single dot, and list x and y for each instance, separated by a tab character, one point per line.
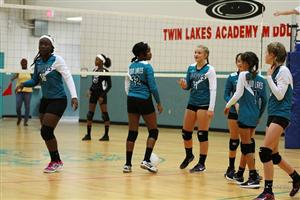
93	170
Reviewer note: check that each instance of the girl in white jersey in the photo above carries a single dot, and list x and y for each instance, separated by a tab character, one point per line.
202	82
279	109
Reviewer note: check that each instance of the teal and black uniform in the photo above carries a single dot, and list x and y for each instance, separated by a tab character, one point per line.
230	89
49	75
141	88
280	101
252	97
202	85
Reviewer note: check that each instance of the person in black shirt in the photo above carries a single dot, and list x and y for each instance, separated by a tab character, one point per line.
98	93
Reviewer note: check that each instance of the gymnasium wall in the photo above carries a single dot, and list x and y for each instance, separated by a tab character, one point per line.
173	98
115	33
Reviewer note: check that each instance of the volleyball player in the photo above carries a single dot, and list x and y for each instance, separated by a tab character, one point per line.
98	93
49	71
252	98
202	82
234	141
280	81
140	88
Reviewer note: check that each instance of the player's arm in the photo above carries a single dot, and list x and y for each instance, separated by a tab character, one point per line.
212	79
62	68
228	89
152	84
185	82
239	90
287	12
264	100
33	81
108	80
283	81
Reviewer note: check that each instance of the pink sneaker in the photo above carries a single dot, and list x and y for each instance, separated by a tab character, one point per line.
60	165
53	167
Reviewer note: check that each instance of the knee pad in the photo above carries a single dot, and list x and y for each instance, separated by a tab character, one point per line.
202	136
105	116
233	144
132	135
47	133
252	145
245	149
153	133
187	135
276	158
90	115
265	154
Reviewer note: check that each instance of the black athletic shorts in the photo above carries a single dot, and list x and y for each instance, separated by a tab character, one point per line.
196	108
140	106
241	125
283	122
95	97
54	106
233	116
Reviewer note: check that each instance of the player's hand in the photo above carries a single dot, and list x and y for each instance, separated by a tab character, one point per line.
277	13
237	107
159	108
74	103
226	111
88	94
210	114
270	70
19	88
182	83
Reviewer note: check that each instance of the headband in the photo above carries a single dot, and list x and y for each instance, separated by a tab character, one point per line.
49	38
101	58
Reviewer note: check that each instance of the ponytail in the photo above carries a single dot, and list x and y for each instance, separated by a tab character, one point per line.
133	59
252	60
38	55
107	62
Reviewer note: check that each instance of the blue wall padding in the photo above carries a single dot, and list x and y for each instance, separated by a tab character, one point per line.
292	133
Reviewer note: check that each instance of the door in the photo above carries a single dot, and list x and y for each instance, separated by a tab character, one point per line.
1	82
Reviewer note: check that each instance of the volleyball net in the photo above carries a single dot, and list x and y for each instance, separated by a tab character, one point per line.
79	35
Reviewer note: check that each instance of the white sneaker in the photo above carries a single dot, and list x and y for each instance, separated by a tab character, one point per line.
149	166
127	169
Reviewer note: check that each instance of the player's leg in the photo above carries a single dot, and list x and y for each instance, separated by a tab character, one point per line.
52	112
247	151
151	123
190	117
89	117
105	118
233	145
203	122
133	125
